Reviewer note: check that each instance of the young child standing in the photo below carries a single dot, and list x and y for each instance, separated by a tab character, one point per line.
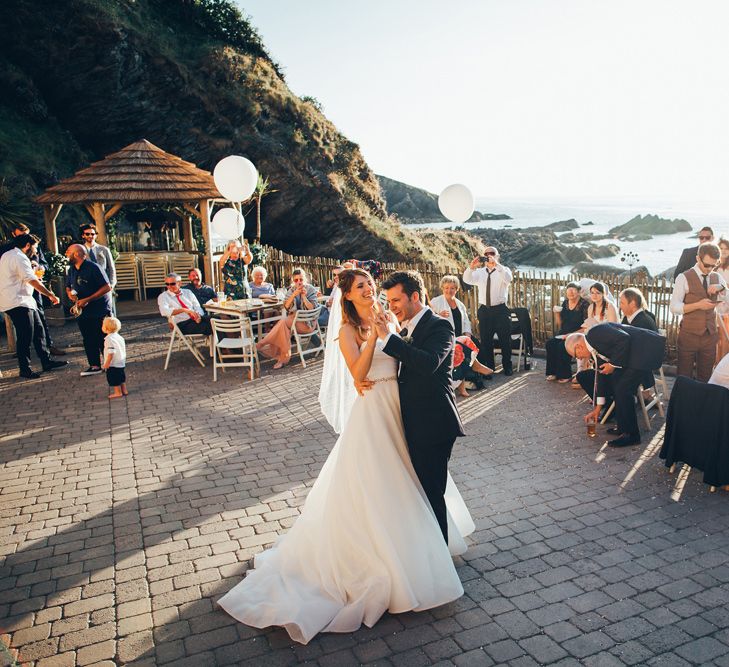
115	357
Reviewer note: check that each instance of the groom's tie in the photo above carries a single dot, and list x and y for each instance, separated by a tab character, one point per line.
403	332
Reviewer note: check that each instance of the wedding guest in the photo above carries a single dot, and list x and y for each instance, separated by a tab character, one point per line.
696	294
203	293
17	283
183	307
115	358
720	375
466	349
722	311
493	281
276	344
600	309
688	255
585	285
633	306
621	354
259	286
234	267
90	290
98	253
568	318
40	266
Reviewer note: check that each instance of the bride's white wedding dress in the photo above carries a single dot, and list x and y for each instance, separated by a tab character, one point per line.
366	541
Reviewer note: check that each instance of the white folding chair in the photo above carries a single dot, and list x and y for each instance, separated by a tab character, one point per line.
185	339
514	336
310	319
182	262
240	350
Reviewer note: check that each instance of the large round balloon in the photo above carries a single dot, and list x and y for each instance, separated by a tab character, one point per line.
228	224
235	177
456	203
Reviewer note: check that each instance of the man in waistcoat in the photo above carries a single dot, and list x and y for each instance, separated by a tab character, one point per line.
696	293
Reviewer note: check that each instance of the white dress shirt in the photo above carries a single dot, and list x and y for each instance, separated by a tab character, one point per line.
439	303
680	289
720	375
500	279
16	273
167	302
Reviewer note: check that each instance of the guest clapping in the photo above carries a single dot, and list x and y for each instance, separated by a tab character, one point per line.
277	342
568	318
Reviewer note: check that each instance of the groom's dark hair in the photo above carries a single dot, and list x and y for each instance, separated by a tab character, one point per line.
410	281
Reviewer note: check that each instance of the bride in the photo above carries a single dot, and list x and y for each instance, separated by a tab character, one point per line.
367	540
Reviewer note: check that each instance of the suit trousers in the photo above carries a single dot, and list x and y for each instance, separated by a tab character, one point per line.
495	320
431	466
42	316
625	385
93	338
696	349
28	329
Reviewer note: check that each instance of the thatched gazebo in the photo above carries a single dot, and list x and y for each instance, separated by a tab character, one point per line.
141	173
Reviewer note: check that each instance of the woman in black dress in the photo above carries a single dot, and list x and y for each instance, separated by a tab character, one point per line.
569	318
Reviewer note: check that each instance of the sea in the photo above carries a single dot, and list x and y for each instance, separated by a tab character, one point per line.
657	255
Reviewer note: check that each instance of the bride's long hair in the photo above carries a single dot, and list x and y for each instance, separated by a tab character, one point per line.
346	282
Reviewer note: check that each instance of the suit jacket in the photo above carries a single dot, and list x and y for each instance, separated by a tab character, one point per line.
627	346
643	320
427	401
687	260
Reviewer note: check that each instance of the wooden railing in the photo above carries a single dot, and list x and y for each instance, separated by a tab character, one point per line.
537	291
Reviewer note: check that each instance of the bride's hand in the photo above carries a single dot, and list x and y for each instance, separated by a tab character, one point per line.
381	323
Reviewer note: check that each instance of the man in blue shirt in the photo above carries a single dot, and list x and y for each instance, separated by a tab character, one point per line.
89	288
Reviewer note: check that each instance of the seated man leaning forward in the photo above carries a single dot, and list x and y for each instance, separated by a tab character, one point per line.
182	306
621	354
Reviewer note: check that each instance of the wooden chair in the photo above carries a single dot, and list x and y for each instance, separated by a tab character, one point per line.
187	340
154	272
310	319
182	263
127	275
240	350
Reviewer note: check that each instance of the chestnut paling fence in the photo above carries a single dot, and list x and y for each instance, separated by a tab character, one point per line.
537	291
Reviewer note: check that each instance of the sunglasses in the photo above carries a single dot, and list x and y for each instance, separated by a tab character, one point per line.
490	254
89	233
172	284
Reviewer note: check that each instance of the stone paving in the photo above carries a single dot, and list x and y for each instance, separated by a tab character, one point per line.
122	522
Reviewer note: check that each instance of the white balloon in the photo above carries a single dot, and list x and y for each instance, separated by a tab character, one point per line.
235	177
228	224
456	203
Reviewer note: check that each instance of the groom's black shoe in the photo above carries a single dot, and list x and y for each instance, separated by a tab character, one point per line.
625	440
508	371
613	430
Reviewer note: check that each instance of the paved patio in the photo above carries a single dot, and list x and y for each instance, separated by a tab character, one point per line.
121	523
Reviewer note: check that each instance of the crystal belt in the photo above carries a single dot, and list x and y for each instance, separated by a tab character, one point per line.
392	378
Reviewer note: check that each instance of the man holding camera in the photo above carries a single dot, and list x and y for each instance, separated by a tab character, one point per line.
492	279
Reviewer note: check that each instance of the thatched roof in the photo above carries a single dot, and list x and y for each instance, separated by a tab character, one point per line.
141	172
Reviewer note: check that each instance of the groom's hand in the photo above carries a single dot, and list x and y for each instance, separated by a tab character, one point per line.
363	385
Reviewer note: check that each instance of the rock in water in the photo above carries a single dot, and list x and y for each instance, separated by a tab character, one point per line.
651	224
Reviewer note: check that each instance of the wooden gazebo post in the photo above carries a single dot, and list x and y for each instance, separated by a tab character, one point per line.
50	213
205	220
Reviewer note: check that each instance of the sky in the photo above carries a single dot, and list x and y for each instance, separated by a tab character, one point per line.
519	98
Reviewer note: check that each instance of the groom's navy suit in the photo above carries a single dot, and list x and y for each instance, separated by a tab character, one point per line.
428	405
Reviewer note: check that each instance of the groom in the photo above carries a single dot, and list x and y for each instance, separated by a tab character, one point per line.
424	349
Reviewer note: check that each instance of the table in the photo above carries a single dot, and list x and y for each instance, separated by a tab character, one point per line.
240	307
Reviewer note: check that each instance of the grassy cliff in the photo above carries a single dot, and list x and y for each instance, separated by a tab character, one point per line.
87	77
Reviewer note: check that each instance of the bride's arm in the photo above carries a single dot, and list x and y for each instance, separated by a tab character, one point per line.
358	362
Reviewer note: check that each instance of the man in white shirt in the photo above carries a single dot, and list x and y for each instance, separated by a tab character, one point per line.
696	294
182	306
493	281
17	282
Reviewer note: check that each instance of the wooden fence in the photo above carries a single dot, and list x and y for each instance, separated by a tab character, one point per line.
537	291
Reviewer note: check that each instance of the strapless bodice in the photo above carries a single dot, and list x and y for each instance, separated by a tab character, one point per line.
384	367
